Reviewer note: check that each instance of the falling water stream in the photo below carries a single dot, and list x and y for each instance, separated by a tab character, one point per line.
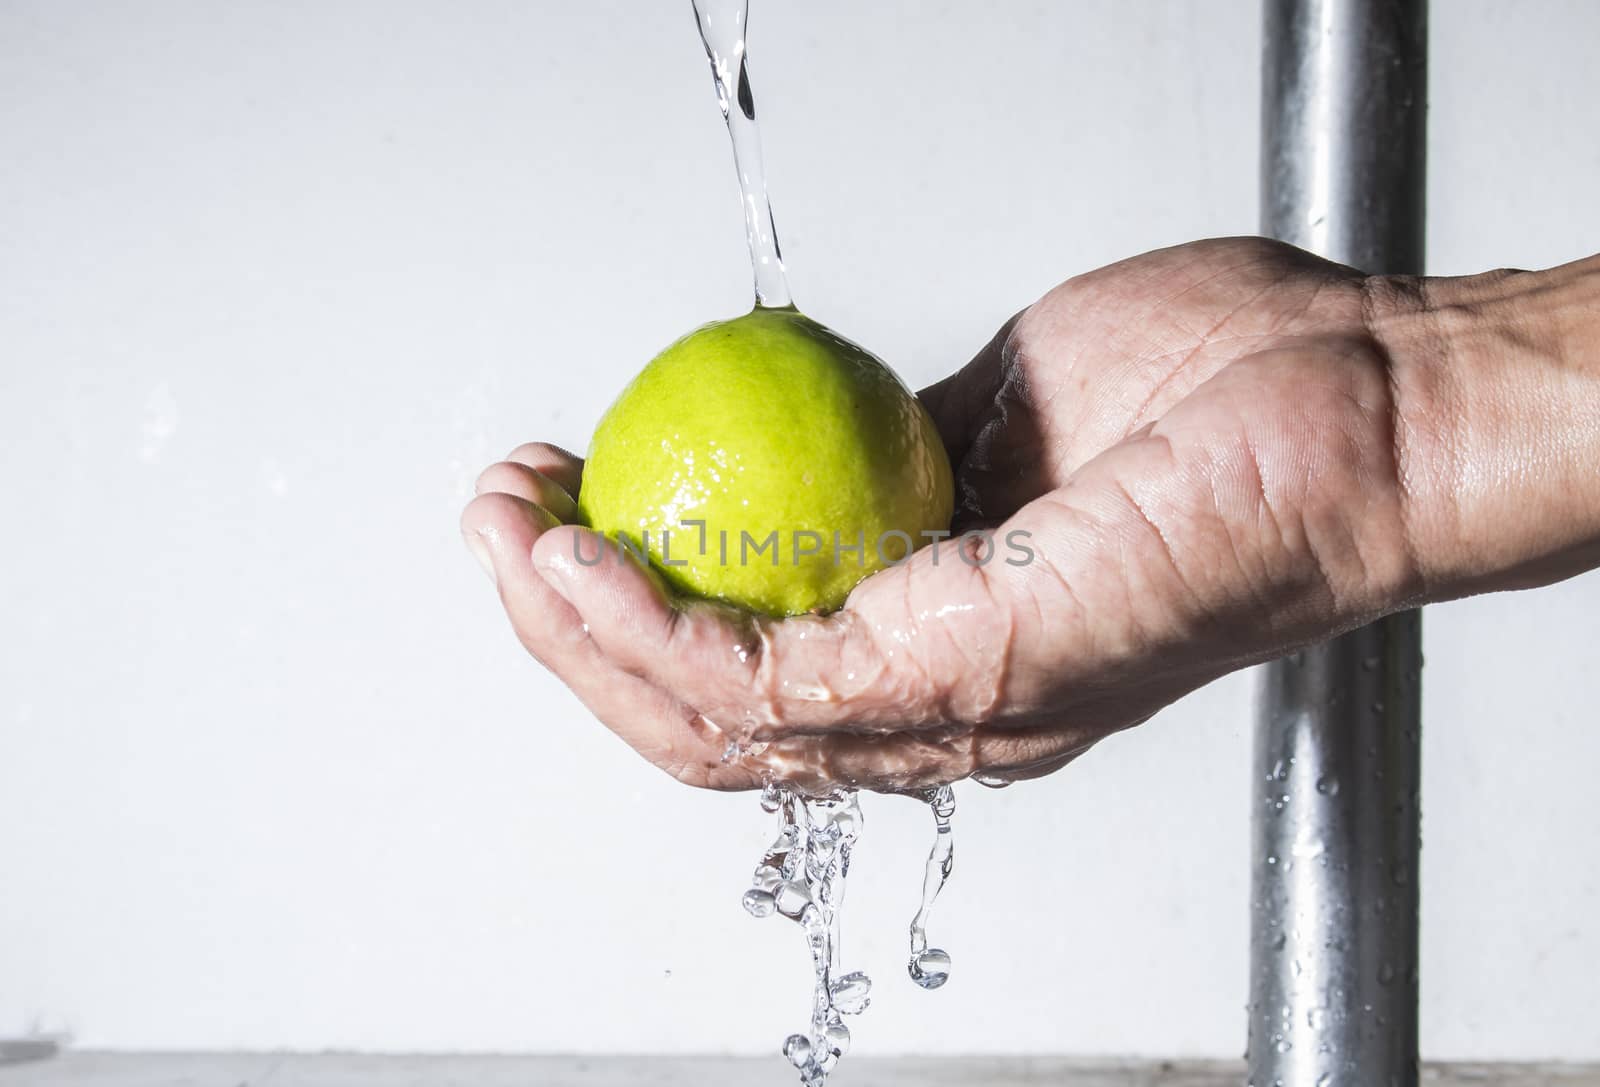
722	30
802	874
802	877
928	966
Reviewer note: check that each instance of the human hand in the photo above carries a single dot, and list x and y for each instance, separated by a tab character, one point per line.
1219	452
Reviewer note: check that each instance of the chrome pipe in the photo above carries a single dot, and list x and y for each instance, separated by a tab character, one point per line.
1335	828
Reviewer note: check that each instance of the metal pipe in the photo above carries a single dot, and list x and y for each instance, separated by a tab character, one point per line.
1333	941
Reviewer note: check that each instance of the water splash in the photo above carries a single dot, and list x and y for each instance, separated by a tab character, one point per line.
802	877
722	30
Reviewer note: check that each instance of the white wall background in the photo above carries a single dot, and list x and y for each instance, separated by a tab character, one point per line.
279	277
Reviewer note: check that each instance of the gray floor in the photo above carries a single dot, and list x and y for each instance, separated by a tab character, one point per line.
336	1070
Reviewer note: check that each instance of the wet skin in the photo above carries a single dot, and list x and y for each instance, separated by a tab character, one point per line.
1222	451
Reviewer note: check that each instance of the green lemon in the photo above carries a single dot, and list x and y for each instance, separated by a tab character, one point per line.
767	462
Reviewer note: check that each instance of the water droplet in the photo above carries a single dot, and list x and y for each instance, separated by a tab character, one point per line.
759	903
930	969
1327	785
838	1038
852	993
797	1047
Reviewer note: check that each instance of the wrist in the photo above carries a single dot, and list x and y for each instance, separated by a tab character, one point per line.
1496	383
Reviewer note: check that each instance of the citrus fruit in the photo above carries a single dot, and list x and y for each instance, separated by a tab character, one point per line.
768	462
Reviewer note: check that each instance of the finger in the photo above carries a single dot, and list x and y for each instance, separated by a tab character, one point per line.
920	644
897	762
905	762
529	484
958	402
663	730
1010	775
1024	754
554	462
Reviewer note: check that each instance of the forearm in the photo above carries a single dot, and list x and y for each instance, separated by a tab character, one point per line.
1497	404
